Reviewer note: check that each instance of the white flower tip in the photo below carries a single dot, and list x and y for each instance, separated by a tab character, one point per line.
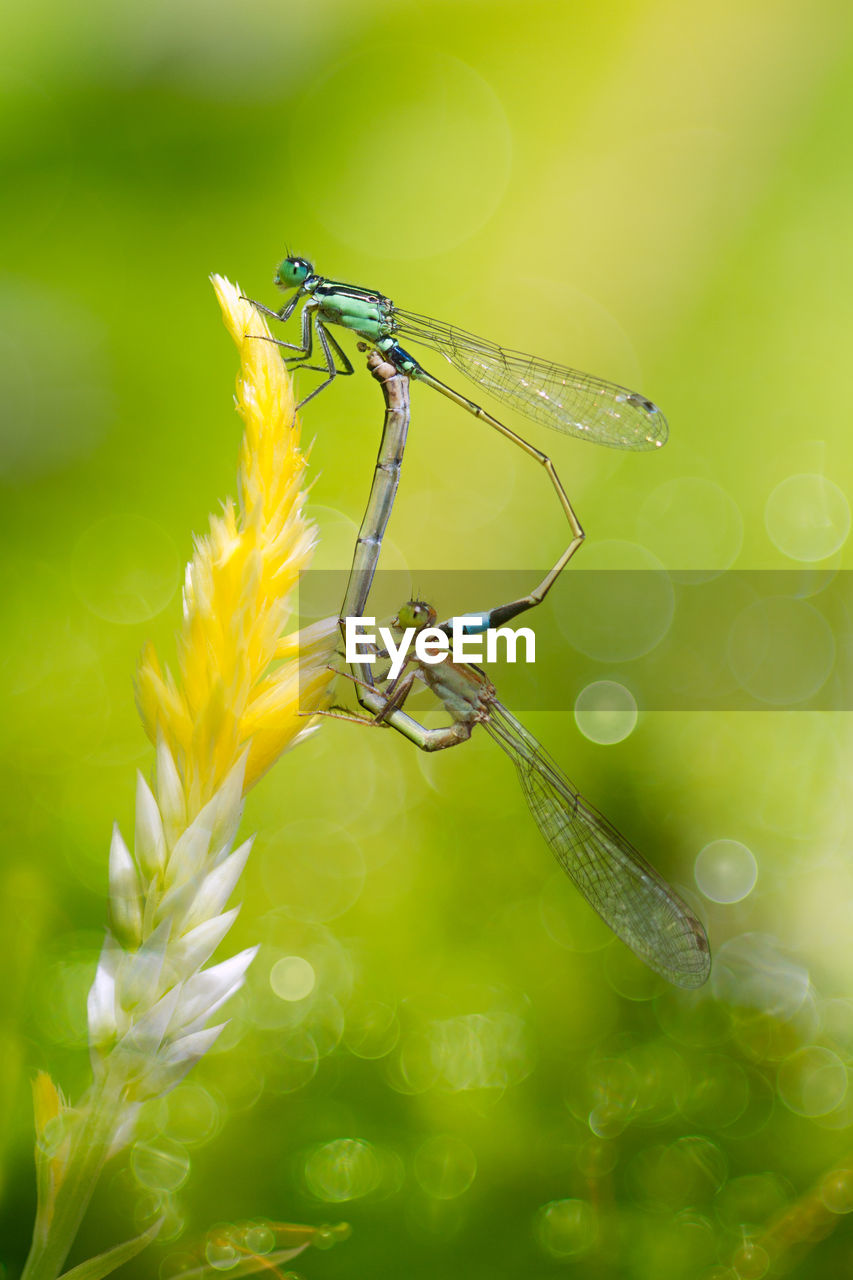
100	1005
170	793
150	837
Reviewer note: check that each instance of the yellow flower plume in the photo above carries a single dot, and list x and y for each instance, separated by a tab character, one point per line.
238	687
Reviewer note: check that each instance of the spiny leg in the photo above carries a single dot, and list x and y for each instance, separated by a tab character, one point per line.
304	352
390	698
353	717
330	367
284	313
327	337
388	710
327	340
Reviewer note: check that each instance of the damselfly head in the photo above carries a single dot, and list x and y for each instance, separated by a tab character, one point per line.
293	272
415	613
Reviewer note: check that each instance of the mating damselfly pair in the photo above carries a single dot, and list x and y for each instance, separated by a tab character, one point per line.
623	888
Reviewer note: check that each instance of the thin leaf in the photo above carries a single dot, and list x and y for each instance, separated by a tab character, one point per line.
112	1259
246	1266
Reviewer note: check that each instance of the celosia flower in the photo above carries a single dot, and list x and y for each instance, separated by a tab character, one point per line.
238	699
228	694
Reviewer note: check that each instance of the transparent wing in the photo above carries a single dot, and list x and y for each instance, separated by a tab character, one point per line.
628	894
562	398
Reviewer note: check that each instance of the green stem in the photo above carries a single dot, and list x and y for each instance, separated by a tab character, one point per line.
57	1224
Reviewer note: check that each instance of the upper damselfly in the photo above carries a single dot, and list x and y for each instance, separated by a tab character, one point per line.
574	403
569	401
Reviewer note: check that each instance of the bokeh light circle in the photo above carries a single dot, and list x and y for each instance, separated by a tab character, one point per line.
325	1021
606	712
627	975
813	1081
221	1251
752	972
447	131
125	568
259	1238
613	1092
414	1067
190	1114
295	1064
716	1093
566	1228
445	1166
836	1024
662	1078
750	1200
619	606
292	978
702	1162
345	1169
760	1107
160	1165
372	1029
751	1261
596	1158
781	650
807	517
166	1210
481	1050
692	524
684	1173
836	1191
725	871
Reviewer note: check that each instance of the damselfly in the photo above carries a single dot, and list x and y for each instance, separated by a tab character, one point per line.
574	403
626	891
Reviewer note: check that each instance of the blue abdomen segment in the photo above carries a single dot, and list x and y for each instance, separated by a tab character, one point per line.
475	624
391	349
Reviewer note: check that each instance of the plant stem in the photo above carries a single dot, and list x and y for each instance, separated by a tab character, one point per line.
91	1143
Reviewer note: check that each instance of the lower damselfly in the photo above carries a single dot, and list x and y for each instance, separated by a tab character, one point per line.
554	395
616	880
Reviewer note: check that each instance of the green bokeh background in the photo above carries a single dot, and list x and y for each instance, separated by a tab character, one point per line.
482	1082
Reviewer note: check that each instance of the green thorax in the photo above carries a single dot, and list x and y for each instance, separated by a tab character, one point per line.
365	311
